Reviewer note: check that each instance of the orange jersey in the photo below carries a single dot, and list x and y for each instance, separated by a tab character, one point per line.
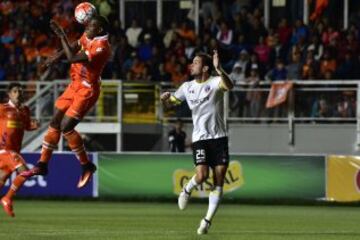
13	122
98	52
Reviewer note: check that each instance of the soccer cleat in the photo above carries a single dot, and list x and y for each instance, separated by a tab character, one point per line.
87	171
39	169
7	205
183	199
204	227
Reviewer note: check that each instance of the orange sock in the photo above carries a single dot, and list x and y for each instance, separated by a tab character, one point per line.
15	186
76	144
50	142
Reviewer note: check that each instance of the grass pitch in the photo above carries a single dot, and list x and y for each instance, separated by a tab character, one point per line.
62	220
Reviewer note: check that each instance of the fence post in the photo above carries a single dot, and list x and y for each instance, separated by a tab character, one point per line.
120	114
197	16
38	101
226	108
291	115
158	108
357	144
306	12
159	14
122	13
346	14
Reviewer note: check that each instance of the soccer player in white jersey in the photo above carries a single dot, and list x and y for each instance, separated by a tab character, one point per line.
205	97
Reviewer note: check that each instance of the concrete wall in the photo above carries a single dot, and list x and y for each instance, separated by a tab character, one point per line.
309	138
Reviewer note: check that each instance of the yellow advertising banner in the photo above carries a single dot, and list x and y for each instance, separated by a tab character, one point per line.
343	178
233	180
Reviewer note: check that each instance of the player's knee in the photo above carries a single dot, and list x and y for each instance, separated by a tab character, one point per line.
64	128
202	175
68	124
55	124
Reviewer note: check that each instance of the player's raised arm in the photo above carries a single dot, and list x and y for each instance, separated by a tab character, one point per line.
74	46
71	57
226	83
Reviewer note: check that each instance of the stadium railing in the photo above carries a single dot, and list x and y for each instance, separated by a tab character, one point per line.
130	102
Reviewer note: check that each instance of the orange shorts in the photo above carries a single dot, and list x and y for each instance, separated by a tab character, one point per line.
10	161
77	99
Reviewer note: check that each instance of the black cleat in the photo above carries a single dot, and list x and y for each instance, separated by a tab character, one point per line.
87	171
40	169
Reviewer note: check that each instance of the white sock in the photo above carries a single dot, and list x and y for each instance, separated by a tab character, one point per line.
214	200
191	184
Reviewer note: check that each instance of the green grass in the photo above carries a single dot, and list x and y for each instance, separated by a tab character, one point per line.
53	220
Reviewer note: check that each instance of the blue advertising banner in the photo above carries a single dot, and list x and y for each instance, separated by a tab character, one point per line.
61	181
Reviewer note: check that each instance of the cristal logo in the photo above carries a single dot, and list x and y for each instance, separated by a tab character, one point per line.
234	179
357	180
34	181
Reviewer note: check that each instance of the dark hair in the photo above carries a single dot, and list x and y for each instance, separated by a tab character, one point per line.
103	23
206	61
13	85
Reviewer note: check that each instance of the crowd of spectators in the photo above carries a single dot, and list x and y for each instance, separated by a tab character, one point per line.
249	51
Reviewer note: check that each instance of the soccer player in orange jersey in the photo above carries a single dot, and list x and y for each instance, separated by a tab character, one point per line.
88	57
14	120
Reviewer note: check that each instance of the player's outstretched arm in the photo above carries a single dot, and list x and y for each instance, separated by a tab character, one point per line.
169	100
165	99
226	83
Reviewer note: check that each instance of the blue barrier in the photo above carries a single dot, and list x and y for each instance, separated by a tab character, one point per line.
64	173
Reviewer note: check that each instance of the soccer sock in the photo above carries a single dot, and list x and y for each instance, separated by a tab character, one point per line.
15	186
76	144
191	184
50	142
214	200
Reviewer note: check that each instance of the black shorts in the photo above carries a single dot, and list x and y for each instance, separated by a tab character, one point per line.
211	152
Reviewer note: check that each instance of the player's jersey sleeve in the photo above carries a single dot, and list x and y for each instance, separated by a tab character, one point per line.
179	95
217	83
99	52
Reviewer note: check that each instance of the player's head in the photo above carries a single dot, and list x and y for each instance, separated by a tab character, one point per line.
15	93
97	26
179	124
202	63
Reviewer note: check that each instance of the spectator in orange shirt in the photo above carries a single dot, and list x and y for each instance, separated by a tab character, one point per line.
170	64
327	63
136	70
178	76
309	68
186	32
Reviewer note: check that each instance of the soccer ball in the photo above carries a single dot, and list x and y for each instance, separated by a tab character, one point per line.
84	12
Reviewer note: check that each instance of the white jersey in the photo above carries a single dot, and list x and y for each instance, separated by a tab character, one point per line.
206	101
